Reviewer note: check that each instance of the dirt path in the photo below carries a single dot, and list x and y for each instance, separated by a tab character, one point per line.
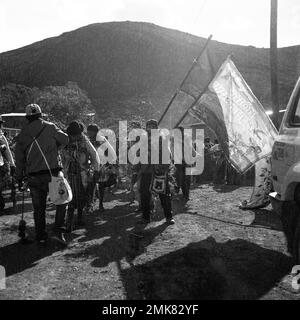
214	251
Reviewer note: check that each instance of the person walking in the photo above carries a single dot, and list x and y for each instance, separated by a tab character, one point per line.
38	135
78	157
92	189
183	181
149	174
107	177
135	180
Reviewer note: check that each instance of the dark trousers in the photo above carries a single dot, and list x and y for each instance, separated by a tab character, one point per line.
2	201
38	186
165	199
91	192
79	200
102	186
183	181
60	216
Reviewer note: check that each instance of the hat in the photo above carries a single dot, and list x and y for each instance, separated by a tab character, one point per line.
152	122
33	109
74	128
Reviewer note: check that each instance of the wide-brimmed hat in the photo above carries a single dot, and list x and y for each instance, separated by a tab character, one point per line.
33	109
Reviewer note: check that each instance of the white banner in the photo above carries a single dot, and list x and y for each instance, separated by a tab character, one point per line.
250	131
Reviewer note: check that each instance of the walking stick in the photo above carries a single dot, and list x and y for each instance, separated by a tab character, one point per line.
22	223
13	195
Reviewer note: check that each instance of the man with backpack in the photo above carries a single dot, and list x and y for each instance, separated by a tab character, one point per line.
37	143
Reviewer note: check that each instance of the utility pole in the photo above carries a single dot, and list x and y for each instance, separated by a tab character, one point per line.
274	62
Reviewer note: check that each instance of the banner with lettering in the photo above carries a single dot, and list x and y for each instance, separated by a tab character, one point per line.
250	133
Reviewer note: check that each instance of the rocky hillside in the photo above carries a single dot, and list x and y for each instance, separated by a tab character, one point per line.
121	62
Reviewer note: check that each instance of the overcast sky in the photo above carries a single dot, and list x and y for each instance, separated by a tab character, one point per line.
243	22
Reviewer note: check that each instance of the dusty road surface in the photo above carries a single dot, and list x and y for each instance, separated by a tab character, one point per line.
214	251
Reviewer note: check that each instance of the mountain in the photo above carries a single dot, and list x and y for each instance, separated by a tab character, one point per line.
130	67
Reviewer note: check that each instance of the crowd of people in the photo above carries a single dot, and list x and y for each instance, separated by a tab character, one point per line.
43	150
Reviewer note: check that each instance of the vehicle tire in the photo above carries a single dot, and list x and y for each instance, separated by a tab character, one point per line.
296	242
289	217
297	196
296	245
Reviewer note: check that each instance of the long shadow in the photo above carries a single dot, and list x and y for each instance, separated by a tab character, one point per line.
17	257
117	226
123	237
121	195
180	205
208	270
111	223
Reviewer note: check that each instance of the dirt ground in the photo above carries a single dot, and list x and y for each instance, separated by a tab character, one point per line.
214	251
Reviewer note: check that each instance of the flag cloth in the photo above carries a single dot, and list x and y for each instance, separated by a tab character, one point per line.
249	133
197	81
244	130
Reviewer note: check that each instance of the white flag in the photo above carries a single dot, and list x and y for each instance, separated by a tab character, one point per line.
250	132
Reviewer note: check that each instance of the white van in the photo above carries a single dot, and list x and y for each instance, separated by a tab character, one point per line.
286	172
10	123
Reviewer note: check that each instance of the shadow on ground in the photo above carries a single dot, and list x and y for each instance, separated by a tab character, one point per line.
121	233
17	257
208	270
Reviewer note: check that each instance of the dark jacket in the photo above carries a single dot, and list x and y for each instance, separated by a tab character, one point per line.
29	159
157	169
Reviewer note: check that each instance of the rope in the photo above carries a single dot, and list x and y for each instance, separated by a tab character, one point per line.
236	224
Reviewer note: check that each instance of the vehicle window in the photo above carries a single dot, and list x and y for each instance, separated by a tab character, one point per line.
295	117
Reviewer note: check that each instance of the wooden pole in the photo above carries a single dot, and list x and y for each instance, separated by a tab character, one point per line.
274	62
194	103
199	96
183	81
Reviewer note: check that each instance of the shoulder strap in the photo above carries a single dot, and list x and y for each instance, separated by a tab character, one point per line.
38	145
43	155
36	137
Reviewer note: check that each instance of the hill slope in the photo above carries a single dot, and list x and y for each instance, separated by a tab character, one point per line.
132	61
